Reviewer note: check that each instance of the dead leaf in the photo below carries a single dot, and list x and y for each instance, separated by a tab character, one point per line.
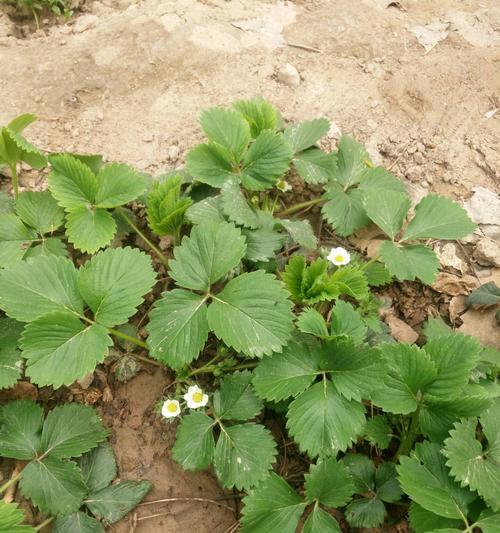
481	324
400	330
457	306
22	390
447	283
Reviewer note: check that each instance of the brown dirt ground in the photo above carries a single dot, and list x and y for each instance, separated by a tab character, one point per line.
132	85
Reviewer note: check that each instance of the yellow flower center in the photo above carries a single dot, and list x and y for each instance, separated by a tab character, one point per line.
198	397
339	258
171	408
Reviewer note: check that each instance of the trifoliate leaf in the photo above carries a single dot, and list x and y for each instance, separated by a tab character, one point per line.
410	262
322	422
113	283
423	521
55	486
42	285
382	180
236	398
98	467
243	455
377	274
266	160
178	328
228	129
306	134
330	483
387	209
319	520
89	229
236	207
436	327
351	160
301	232
20	429
194	445
365	512
409	372
15	239
473	464
11	363
487	294
312	322
252	314
112	503
315	166
210	163
378	432
438	217
59	348
205	211
259	114
344	211
273	507
209	253
425	478
11	519
40	211
347	322
77	523
118	184
262	243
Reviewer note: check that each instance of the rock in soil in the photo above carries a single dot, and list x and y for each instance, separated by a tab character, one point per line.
487	252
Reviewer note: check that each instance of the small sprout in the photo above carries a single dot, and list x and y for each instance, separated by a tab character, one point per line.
170	409
283	185
195	397
339	256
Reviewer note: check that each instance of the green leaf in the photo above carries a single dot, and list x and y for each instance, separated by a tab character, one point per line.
93	161
15	239
40	211
59	348
11	363
194	445
312	322
301	232
209	253
306	134
347	322
315	166
236	207
330	483
487	294
77	523
294	274
6	202
425	478
319	520
98	467
322	422
410	262
489	522
210	163
344	211
378	432
20	429
362	471
438	217
243	455
259	114
423	521
350	161
205	211
89	229
252	314
113	283
387	484
50	246
351	281
266	160
273	507
387	209
236	398
365	512
382	180
114	502
377	274
178	328
228	129
55	486
472	463
409	372
118	184
21	122
11	518
40	286
23	150
262	243
436	327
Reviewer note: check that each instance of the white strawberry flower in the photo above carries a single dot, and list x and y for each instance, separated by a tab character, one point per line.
283	185
195	397
170	409
339	256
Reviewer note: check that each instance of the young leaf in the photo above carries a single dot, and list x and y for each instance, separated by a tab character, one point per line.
301	232
98	467
90	228
236	398
294	274
387	209
11	518
118	184
59	348
209	253
306	134
55	486
11	363
243	455
410	262
252	314
347	322
40	211
319	520
194	445
438	217
259	114
20	429
344	211
114	282
330	483
315	166
77	523
350	161
349	280
323	422
273	507
114	502
15	239
312	322
236	207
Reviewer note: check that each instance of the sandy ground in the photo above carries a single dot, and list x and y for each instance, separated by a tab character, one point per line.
129	79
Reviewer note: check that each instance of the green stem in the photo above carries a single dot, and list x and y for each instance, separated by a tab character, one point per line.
9	483
128	338
299	207
409	439
13	170
44	523
370	262
153	247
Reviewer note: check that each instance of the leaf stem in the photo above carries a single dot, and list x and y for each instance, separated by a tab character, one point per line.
128	338
153	247
13	170
11	482
407	442
44	523
298	207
